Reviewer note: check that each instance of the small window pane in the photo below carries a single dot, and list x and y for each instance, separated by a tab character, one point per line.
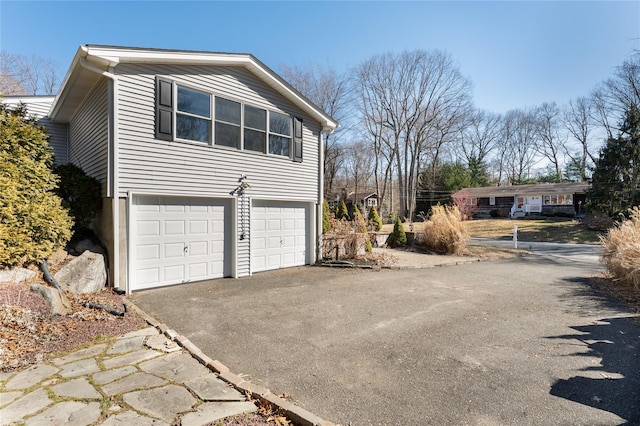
279	145
194	102
228	111
279	123
192	128
254	140
227	135
255	118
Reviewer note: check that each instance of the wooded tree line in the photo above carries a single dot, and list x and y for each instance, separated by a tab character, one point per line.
411	132
410	129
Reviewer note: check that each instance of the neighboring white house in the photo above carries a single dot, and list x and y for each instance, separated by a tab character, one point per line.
565	198
210	163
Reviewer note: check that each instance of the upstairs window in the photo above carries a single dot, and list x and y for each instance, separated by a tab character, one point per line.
187	114
228	118
279	134
255	129
193	115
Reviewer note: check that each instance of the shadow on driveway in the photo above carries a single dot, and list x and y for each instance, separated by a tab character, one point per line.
617	386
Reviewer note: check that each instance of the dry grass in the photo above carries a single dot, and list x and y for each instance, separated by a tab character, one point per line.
622	250
534	230
445	231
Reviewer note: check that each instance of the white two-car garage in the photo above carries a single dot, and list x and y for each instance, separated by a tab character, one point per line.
179	240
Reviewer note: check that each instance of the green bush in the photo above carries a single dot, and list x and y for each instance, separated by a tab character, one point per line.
33	223
398	237
342	212
80	194
326	217
374	218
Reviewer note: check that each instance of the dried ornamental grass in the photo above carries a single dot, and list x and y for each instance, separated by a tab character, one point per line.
445	231
621	252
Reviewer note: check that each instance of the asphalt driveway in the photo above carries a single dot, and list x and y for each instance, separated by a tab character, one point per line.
521	341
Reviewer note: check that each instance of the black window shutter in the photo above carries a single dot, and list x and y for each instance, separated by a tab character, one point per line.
164	109
297	139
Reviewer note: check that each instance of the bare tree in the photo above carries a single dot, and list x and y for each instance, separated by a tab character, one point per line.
549	142
359	162
411	105
615	96
480	136
577	119
23	75
518	152
330	91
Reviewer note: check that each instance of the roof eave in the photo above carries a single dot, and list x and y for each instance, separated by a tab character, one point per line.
106	56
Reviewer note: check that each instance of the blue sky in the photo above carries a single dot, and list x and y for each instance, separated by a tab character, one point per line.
518	54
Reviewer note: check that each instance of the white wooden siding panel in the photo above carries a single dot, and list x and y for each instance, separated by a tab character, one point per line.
89	134
148	164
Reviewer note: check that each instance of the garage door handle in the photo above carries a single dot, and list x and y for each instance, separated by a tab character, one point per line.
186	249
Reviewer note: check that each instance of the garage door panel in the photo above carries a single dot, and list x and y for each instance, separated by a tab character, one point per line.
148	252
279	234
179	240
174	227
198	248
198	227
148	228
173	250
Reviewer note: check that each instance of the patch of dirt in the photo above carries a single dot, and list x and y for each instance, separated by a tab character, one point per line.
628	294
28	331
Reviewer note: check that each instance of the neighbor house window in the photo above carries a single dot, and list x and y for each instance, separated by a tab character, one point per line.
279	134
492	201
372	202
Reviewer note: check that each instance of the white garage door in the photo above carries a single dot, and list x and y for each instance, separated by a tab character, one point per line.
178	240
279	235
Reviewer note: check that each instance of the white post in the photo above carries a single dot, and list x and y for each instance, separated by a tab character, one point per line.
515	237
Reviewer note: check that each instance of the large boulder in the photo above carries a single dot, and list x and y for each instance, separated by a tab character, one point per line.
57	300
16	275
84	274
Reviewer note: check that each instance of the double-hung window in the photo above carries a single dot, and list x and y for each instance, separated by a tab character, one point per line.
193	115
228	121
279	134
255	129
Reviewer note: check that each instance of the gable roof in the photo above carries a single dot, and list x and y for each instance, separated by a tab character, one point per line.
533	189
92	59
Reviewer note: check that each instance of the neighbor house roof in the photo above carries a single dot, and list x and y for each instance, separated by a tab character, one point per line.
534	189
82	75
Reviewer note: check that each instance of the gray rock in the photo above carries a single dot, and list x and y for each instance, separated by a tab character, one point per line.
211	388
130	358
126	345
29	377
132	418
84	274
108	376
9	397
17	275
80	368
57	300
28	404
77	388
68	413
176	367
162	343
91	351
212	411
164	403
133	382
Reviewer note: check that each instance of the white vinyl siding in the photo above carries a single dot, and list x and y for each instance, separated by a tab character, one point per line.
148	164
89	134
38	107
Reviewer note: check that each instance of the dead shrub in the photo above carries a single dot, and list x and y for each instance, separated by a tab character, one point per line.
347	238
444	232
621	252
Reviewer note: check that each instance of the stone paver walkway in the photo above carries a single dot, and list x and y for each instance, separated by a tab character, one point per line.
142	378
